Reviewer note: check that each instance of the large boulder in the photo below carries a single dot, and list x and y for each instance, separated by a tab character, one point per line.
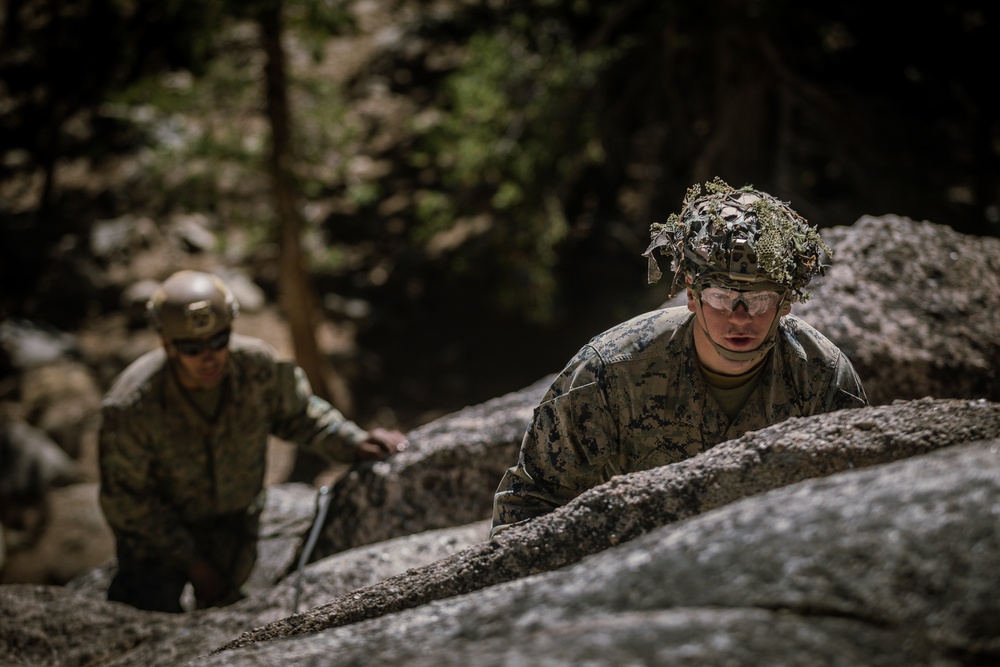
892	565
43	625
916	307
447	477
629	505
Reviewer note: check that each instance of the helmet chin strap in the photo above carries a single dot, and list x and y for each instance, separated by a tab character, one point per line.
759	351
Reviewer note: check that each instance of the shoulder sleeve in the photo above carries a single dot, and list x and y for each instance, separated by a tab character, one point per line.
567	448
830	382
846	390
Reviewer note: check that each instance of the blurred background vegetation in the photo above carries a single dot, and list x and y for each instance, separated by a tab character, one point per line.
476	178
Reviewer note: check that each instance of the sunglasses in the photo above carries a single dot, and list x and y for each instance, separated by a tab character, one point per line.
192	347
756	303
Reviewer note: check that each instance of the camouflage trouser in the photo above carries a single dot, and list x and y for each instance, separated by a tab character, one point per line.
229	542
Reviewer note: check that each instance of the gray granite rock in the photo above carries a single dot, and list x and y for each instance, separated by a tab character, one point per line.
446	478
629	505
31	464
892	565
916	307
776	557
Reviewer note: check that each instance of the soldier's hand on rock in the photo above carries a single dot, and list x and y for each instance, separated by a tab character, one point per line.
381	443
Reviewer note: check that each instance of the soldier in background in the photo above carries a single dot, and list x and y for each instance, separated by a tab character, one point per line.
669	384
183	448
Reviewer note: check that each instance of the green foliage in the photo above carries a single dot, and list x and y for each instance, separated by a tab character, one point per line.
364	193
216	117
330	259
436	211
321	130
315	21
515	126
228	89
193	120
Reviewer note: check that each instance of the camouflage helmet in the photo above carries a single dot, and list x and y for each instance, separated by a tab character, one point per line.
192	304
735	238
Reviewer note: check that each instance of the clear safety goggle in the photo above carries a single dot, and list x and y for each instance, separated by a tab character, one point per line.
756	302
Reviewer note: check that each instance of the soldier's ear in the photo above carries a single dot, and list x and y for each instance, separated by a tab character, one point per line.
785	309
691	300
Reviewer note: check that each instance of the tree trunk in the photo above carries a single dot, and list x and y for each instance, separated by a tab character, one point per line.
295	291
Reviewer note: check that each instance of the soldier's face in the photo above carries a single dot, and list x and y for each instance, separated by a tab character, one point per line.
735	330
201	362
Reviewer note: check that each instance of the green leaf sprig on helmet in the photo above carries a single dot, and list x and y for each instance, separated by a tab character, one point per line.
736	238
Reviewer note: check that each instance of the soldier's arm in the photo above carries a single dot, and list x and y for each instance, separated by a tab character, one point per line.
312	423
568	447
128	495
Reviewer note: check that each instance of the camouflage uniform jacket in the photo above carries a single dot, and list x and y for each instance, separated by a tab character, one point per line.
634	398
164	466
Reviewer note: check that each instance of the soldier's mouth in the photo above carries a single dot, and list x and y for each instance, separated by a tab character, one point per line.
740	341
211	373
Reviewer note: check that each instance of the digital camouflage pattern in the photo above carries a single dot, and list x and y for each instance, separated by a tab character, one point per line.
731	237
166	469
634	398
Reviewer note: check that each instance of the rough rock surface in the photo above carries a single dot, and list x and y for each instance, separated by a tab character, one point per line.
630	505
915	306
45	625
892	565
63	626
446	478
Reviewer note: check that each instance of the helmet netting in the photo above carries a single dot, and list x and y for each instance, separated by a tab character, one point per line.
738	236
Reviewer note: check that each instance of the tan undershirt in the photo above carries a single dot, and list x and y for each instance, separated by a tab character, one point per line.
731	391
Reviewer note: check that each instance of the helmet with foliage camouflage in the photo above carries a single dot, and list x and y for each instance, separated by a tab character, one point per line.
736	238
192	304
